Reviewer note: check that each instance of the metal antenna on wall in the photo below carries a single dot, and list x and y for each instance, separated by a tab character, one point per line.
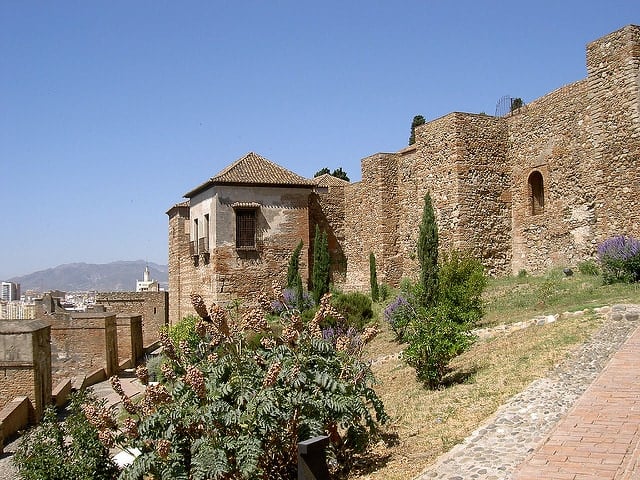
503	107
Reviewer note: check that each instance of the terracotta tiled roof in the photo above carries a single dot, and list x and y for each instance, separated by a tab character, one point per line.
179	205
327	180
253	169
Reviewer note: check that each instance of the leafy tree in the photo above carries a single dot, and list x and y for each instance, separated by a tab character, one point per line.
321	265
373	278
417	120
339	173
516	103
428	254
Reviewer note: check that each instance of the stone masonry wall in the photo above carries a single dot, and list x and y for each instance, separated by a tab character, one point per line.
83	343
367	223
327	210
25	363
283	220
181	268
613	66
130	338
549	136
227	273
153	306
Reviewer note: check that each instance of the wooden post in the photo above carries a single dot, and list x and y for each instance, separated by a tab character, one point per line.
312	459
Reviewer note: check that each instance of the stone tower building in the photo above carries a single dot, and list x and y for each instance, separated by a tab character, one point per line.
537	188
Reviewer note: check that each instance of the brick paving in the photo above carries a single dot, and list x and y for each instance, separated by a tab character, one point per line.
514	441
600	436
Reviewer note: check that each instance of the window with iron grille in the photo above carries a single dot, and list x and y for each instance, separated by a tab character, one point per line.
245	229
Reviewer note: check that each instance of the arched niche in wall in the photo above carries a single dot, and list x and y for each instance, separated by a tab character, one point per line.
536	192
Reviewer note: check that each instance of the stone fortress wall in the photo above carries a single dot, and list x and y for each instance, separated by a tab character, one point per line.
541	187
577	148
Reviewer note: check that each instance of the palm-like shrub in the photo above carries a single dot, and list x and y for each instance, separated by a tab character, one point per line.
227	409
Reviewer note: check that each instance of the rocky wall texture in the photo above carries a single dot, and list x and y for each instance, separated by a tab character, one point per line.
327	211
370	220
238	273
549	136
130	338
181	269
613	66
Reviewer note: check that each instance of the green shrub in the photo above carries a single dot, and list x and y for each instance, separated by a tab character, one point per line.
437	334
461	283
65	450
384	291
230	410
522	273
435	339
589	267
356	308
185	331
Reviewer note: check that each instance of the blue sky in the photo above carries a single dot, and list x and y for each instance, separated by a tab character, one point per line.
111	110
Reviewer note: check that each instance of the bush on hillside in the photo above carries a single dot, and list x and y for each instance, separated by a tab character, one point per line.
436	334
356	307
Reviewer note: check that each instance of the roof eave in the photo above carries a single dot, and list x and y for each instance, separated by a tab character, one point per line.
212	183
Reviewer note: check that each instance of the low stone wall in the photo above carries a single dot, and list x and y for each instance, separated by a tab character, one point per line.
15	416
25	362
83	343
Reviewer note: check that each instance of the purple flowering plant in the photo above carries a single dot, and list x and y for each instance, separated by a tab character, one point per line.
291	302
620	259
398	314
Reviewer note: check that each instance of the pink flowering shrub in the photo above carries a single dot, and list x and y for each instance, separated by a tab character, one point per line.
237	404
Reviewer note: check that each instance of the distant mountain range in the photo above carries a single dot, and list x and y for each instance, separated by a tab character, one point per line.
106	277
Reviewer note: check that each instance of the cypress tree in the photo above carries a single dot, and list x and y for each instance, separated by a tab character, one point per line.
294	280
373	277
417	121
321	265
293	270
428	253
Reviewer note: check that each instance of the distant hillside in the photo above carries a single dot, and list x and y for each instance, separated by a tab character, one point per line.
106	277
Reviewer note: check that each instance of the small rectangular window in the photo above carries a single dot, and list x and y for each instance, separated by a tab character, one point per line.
245	229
